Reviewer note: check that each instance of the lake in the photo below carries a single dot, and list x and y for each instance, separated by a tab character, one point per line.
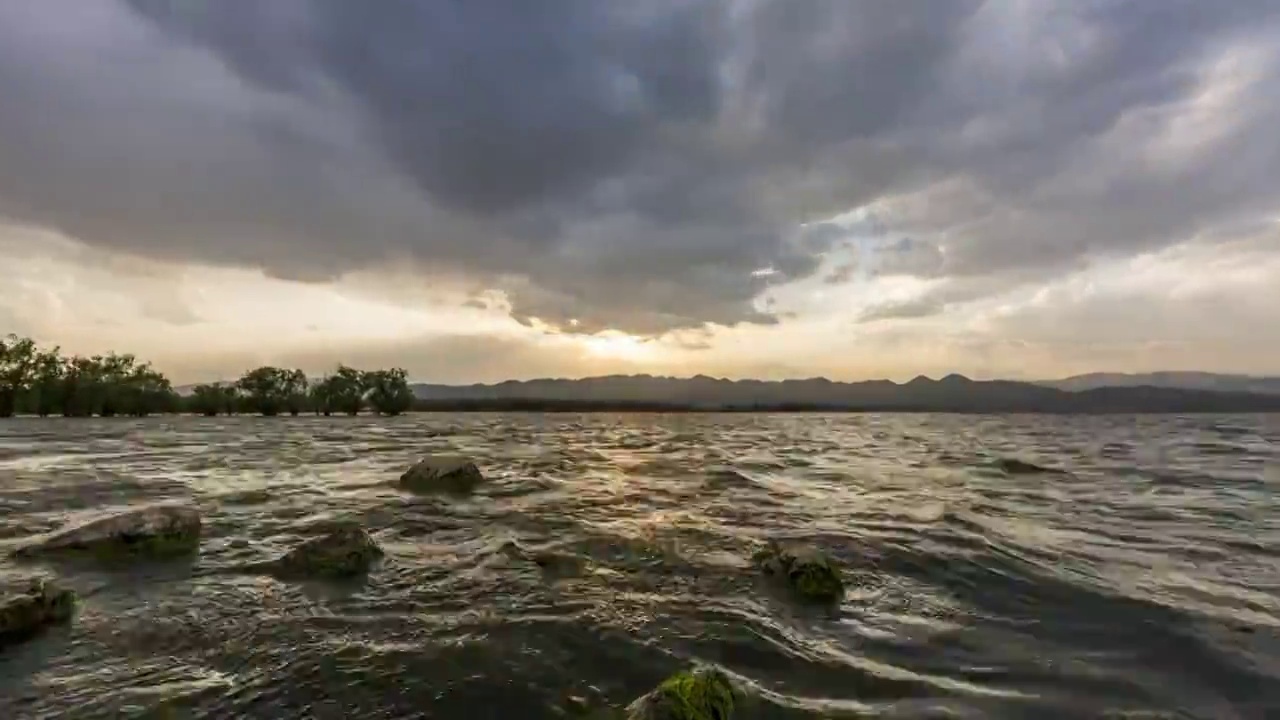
1139	577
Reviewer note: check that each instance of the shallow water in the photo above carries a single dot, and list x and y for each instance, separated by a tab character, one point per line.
1144	581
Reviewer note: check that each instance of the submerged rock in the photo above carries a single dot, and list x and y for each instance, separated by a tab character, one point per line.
157	531
807	570
442	473
344	551
38	605
1014	466
245	497
552	563
704	693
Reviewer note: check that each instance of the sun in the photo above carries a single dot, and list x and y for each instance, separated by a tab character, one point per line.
618	345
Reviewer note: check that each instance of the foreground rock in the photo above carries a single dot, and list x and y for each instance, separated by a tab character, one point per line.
704	693
806	570
442	473
157	531
345	551
36	606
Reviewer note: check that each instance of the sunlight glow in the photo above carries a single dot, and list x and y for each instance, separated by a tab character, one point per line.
619	345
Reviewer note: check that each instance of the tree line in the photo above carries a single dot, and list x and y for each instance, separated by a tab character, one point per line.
36	381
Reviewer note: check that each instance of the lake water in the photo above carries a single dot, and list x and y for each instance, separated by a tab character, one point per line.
1142	582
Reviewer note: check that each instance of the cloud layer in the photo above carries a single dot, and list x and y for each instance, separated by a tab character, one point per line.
649	167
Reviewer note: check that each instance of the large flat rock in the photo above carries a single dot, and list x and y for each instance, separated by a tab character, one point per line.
155	531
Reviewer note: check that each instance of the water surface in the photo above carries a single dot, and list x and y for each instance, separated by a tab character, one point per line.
1142	580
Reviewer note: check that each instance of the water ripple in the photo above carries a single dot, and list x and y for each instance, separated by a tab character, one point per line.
999	567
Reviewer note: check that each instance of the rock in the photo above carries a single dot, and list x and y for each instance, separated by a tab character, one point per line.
552	563
1014	466
807	570
157	531
442	473
244	497
344	551
704	693
38	605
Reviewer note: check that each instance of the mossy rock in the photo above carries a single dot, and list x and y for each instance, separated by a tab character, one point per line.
38	605
442	473
153	532
703	693
344	551
808	571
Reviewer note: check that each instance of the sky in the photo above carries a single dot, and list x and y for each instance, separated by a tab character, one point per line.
504	189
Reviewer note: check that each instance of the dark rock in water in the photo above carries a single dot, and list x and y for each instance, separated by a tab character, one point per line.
344	551
1014	466
806	570
36	606
704	693
157	531
442	473
245	497
556	564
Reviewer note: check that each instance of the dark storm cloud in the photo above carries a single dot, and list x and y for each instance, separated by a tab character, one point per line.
630	165
905	309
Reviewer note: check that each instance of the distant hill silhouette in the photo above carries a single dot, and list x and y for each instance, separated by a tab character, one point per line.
1186	380
953	393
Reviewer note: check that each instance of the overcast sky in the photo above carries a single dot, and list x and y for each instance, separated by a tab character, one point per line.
491	189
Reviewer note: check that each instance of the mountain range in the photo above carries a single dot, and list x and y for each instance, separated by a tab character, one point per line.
953	393
1187	380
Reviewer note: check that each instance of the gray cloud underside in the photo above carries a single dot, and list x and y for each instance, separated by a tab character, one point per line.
631	164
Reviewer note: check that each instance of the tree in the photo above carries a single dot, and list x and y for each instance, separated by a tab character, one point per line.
389	392
321	396
46	395
45	382
17	360
115	375
208	400
266	390
347	389
295	388
82	387
232	401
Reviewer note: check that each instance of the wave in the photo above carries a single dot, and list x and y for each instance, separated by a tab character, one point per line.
605	552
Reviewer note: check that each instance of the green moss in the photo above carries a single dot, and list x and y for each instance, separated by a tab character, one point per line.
818	581
807	571
703	694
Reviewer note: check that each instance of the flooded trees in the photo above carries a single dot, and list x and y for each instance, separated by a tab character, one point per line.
343	391
35	381
210	400
271	390
17	358
43	382
389	392
265	390
45	392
